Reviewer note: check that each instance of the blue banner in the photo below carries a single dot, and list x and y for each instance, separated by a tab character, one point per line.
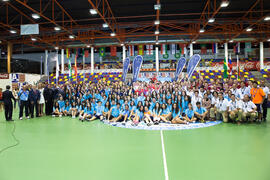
192	64
179	68
137	63
125	68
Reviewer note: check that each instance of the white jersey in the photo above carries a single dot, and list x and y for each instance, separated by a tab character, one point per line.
266	91
222	105
42	100
194	100
235	105
214	100
248	106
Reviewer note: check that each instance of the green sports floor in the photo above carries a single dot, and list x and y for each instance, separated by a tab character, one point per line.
67	149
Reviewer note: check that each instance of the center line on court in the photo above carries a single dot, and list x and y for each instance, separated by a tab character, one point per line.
164	156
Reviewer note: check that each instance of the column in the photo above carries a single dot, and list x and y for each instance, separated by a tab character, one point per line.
9	56
261	56
92	59
157	60
124	53
62	61
46	73
191	49
226	52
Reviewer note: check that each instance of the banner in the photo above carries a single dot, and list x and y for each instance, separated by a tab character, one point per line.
179	68
236	48
113	51
164	49
137	63
4	76
149	49
173	49
183	49
140	49
215	48
248	47
125	68
131	50
102	51
192	64
203	49
86	53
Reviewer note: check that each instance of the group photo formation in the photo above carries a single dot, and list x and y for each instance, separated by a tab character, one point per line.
154	90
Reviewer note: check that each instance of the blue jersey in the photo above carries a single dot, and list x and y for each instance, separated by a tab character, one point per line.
99	110
106	109
23	95
133	108
61	104
184	105
67	108
165	111
115	111
201	110
157	112
174	114
189	113
140	114
125	112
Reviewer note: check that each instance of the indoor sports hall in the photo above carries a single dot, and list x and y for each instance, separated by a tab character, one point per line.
138	90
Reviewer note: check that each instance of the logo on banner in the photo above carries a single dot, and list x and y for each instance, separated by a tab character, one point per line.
192	64
180	66
137	63
125	68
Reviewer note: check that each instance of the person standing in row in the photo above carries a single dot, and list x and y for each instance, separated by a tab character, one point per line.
265	102
34	97
257	97
23	96
7	96
48	96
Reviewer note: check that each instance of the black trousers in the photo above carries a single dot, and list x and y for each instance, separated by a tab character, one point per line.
264	107
49	107
33	107
8	111
24	105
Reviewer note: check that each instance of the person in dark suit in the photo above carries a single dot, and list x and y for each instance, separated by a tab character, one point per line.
34	97
48	96
7	96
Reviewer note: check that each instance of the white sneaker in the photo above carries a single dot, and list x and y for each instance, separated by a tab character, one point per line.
53	115
27	117
60	115
20	118
73	117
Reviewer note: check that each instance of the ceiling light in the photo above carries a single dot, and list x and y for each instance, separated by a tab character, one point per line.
211	20
35	16
231	41
249	29
5	0
157	32
88	46
71	36
113	34
268	40
34	39
224	4
193	42
13	31
93	11
105	25
202	30
157	43
56	48
122	44
0	41
267	18
157	6
57	28
157	22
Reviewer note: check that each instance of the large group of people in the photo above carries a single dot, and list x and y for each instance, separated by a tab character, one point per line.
151	103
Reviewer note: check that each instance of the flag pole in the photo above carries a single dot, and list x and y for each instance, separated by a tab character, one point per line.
237	57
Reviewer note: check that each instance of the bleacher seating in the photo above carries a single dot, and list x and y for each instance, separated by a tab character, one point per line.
211	75
266	74
86	77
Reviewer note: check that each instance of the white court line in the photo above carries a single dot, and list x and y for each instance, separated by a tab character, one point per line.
164	156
